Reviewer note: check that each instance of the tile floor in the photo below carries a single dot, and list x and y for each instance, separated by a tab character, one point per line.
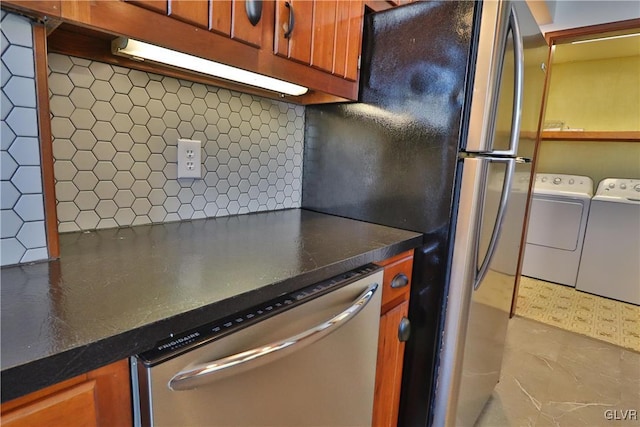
553	377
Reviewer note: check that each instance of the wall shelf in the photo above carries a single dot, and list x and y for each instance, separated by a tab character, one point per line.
631	136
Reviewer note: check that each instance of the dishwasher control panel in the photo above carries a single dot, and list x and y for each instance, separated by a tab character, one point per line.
177	344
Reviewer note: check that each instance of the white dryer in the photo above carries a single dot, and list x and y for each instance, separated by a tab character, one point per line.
610	265
557	222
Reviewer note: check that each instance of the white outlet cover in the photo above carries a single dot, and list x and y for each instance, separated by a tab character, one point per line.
189	158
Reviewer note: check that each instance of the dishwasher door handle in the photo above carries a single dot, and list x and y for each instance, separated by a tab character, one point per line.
205	373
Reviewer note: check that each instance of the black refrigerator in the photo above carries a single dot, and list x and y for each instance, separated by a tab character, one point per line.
440	143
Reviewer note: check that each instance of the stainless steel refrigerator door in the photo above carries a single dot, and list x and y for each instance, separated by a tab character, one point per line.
496	103
478	228
491	300
328	382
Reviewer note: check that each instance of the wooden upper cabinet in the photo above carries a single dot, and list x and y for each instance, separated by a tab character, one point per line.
326	34
220	13
155	5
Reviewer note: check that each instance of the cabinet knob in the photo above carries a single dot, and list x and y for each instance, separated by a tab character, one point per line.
404	330
254	11
399	281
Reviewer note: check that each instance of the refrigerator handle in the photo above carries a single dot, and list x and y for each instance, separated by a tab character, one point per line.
518	50
495	234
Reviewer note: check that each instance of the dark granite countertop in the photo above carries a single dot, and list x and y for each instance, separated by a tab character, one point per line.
114	293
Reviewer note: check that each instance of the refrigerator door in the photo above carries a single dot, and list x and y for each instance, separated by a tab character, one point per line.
484	188
496	103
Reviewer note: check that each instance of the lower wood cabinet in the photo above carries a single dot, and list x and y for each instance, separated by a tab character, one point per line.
393	332
97	398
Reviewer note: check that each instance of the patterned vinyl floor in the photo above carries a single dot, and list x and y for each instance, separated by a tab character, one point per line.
562	306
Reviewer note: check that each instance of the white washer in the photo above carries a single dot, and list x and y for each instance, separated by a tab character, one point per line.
557	222
610	264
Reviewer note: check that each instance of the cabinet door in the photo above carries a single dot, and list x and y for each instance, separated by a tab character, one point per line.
298	45
389	368
98	398
155	5
241	27
194	12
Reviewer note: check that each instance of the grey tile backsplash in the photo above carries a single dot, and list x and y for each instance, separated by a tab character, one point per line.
115	139
22	214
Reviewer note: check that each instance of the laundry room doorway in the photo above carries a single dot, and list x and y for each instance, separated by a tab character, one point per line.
590	131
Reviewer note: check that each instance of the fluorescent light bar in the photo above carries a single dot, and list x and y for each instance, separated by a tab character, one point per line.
144	51
606	38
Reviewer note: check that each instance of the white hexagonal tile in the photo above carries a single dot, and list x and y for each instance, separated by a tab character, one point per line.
155	108
170	84
122	122
36	254
122	142
12	251
123	161
124	216
32	235
30	207
156	179
102	110
138	78
5	107
100	70
84	160
59	63
171	188
82	119
141	206
140	170
87	220
140	134
124	198
139	115
8	195
103	131
106	208
185	211
64	170
61	106
104	151
19	61
171	204
8	165
140	152
86	200
10	223
121	103
140	188
155	90
82	98
23	121
67	211
67	227
104	170
27	179
139	96
83	139
123	180
185	112
59	84
120	83
21	91
157	214
105	190
66	191
85	180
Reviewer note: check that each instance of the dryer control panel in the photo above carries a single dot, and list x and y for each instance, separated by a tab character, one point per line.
555	183
619	188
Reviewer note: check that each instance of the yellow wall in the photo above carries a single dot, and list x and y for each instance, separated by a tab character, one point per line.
598	160
598	95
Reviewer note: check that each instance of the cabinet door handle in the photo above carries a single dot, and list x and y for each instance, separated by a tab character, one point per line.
404	330
399	281
254	11
292	21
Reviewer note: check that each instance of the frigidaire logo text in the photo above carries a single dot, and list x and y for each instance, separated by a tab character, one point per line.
179	341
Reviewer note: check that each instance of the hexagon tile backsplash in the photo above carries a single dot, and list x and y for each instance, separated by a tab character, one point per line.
115	140
22	218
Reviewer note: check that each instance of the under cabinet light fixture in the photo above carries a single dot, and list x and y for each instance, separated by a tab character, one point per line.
623	36
142	51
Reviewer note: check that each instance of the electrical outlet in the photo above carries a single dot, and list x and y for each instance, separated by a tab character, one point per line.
189	158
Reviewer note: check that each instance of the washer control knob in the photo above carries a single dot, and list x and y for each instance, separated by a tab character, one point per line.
544	179
637	187
557	180
623	186
571	181
612	185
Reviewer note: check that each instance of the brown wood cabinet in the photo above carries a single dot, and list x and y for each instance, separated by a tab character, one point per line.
325	34
98	398
395	307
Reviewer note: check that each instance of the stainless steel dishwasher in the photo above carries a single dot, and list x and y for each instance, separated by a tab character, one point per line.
304	359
